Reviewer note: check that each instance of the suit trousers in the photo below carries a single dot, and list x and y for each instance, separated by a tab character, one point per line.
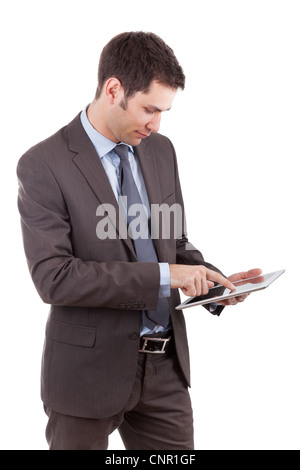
157	416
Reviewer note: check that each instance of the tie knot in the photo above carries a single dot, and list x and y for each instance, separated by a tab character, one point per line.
122	151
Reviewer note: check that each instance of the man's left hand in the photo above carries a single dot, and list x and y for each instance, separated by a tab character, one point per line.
239	277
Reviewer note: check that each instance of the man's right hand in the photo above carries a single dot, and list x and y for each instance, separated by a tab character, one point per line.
196	280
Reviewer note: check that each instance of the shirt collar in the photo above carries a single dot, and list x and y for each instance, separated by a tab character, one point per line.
102	144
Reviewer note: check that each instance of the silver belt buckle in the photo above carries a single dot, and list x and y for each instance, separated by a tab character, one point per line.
159	340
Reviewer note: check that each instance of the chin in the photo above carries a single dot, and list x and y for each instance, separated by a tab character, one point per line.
133	141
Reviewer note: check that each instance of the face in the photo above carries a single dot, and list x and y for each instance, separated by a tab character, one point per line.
141	115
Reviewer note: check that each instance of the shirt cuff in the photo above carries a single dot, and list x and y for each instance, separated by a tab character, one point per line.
165	280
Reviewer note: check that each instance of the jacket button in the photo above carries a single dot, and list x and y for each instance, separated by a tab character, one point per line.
123	306
134	336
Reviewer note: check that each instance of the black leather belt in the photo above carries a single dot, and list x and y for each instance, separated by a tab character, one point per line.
155	344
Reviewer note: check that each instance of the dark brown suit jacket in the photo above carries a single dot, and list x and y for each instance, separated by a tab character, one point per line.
96	288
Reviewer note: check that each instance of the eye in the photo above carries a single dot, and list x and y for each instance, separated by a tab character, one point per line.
148	111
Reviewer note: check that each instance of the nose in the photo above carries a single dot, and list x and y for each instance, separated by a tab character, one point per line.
154	124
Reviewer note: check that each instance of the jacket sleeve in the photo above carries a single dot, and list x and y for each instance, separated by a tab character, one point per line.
59	277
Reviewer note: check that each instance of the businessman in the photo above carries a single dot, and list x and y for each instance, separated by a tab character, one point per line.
95	200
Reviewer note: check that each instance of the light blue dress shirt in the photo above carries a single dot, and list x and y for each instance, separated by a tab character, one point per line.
111	163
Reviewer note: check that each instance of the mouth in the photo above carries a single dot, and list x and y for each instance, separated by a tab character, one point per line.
142	136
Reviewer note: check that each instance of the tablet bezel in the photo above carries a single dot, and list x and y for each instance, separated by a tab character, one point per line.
263	285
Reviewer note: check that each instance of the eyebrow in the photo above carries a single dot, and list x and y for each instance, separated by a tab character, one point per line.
154	108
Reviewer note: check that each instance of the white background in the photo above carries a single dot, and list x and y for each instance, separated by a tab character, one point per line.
236	132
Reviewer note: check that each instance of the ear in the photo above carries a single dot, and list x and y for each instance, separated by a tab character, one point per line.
113	90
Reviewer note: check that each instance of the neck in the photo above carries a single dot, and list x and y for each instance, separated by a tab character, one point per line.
96	117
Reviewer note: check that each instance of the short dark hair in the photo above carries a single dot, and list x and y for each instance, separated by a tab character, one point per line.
136	59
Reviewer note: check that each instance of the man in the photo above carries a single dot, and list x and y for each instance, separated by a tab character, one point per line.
116	352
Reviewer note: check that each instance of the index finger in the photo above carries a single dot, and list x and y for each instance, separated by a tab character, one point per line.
217	277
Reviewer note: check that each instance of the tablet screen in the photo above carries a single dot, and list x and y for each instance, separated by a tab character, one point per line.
220	292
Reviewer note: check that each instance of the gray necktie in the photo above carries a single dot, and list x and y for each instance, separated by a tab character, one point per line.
143	245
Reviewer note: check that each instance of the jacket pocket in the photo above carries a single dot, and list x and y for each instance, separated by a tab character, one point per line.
74	335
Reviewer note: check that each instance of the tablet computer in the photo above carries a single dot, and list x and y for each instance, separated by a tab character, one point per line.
219	292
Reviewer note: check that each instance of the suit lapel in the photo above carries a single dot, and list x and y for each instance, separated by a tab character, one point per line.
148	165
88	162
